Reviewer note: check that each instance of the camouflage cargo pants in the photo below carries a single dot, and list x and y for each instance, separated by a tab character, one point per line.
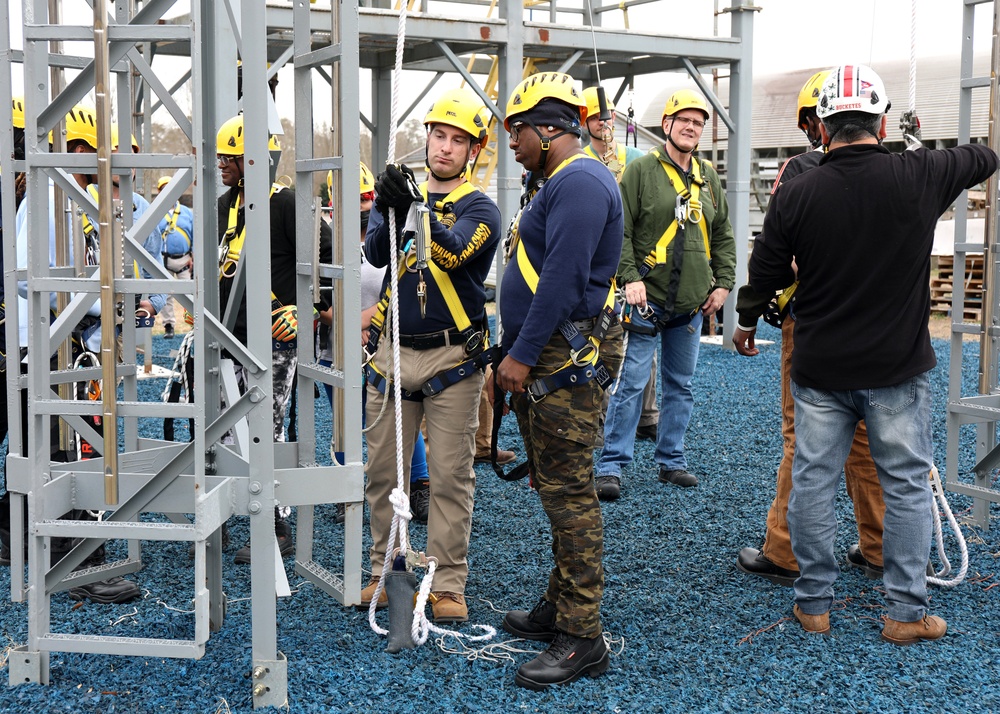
559	434
284	363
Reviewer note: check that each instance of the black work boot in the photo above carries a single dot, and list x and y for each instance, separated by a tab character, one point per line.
539	624
567	659
286	545
106	592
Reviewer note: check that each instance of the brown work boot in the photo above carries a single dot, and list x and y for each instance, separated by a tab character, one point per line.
910	633
369	592
820	624
449	607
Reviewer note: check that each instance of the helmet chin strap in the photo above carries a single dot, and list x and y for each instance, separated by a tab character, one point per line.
670	138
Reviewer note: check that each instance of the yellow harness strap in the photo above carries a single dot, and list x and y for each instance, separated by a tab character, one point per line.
172	225
530	275
619	159
90	229
658	256
233	243
440	277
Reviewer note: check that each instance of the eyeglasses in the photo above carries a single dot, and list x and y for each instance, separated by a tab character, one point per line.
684	121
224	160
515	130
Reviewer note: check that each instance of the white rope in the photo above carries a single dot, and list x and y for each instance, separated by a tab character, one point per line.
400	503
179	368
937	488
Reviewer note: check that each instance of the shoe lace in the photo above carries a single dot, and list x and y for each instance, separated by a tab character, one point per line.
562	645
421	497
539	611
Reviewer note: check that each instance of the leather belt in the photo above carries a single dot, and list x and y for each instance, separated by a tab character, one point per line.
433	340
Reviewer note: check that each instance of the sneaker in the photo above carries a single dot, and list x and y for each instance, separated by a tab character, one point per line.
286	545
449	607
420	500
368	592
647	432
106	592
539	624
609	487
678	477
930	627
753	562
856	560
503	457
567	659
819	624
168	331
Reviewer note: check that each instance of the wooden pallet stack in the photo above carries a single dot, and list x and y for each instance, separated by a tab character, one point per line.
943	279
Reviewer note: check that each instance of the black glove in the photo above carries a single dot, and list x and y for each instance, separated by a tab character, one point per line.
395	187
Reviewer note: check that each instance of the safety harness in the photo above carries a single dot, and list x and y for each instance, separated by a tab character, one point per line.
687	208
92	256
780	305
615	162
474	340
172	227
231	249
584	363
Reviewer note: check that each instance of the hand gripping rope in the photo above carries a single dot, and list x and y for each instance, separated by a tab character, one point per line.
402	558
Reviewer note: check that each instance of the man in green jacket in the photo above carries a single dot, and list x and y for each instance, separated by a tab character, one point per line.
678	265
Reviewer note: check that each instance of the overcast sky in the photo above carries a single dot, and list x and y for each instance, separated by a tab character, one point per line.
788	34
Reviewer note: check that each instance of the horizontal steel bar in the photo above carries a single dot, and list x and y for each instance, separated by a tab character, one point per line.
143	530
138	646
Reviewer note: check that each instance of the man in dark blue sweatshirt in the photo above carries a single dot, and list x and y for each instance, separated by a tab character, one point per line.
561	346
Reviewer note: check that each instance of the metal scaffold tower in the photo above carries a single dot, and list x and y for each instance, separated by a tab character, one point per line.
981	410
152	490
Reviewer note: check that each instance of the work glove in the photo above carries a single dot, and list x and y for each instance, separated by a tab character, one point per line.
188	318
396	187
284	323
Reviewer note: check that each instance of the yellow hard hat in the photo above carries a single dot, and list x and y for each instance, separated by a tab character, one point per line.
367	183
81	124
163	181
544	85
367	179
460	108
686	99
809	95
18	106
229	140
593	106
114	140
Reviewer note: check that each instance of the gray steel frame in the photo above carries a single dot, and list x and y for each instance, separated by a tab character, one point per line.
982	409
205	477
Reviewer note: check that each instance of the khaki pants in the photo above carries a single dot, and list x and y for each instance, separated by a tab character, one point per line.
862	480
452	418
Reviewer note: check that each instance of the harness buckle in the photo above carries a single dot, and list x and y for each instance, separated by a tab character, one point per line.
583	356
694	213
474	342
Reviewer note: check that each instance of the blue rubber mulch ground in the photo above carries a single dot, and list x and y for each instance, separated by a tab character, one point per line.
696	635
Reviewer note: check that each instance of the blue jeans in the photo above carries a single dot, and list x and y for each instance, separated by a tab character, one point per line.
899	433
678	357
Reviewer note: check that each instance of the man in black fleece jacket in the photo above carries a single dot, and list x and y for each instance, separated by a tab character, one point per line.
860	229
